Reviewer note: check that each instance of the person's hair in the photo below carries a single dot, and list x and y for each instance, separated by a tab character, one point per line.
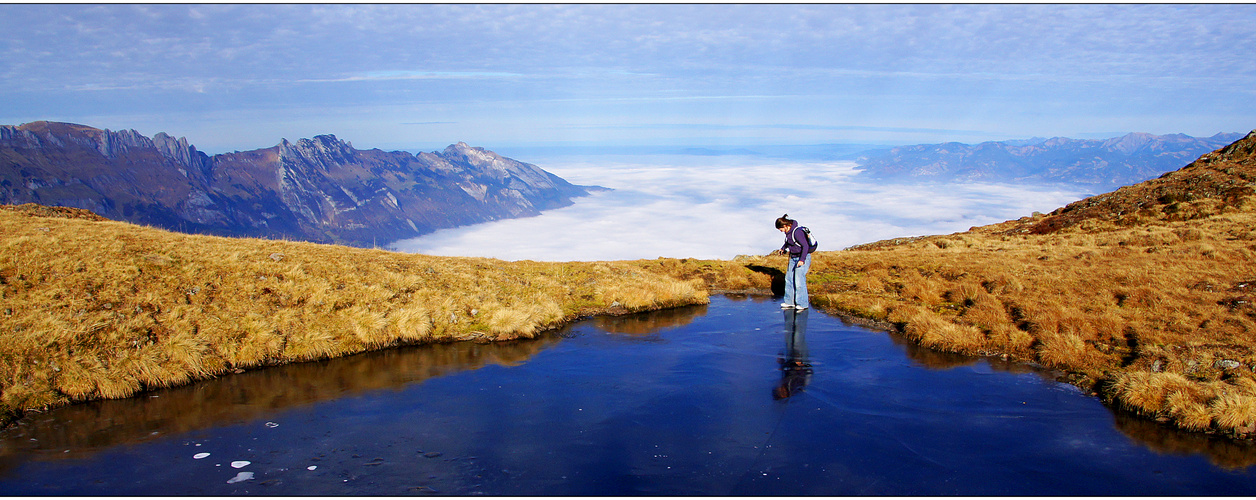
783	221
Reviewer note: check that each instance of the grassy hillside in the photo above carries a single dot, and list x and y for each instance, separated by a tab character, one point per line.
96	309
1144	295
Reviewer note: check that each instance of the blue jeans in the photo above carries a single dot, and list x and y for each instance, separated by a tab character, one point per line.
796	282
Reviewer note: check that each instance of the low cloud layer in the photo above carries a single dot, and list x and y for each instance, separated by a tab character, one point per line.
721	207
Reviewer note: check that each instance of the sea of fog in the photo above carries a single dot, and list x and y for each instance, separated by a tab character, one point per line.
718	207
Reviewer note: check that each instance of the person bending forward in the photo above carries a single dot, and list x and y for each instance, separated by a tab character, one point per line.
799	250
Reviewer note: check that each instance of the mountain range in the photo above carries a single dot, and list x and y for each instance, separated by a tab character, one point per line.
324	190
320	189
1101	164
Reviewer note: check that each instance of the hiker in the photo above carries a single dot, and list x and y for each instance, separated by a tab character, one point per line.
798	245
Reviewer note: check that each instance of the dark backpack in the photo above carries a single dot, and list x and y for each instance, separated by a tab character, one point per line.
811	240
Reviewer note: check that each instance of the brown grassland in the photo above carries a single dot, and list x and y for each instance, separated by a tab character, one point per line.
97	309
1143	295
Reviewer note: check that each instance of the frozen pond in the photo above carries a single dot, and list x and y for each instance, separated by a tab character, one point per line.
696	401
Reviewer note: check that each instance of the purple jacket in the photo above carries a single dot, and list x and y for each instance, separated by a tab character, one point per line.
796	242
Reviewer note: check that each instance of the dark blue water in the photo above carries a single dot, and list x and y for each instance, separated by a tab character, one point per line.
735	398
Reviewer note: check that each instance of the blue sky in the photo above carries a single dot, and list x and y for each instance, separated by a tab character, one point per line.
420	77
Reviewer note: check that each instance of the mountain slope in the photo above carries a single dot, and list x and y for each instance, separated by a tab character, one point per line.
320	190
1206	186
1103	164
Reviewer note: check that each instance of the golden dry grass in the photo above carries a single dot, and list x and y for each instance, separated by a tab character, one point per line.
1145	295
1161	324
99	309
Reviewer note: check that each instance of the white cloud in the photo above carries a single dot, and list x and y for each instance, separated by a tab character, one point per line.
721	207
413	75
529	74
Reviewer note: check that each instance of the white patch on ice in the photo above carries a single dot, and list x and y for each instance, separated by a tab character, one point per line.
272	425
199	456
243	476
312	467
240	463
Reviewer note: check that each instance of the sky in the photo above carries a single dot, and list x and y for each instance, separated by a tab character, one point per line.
422	76
548	83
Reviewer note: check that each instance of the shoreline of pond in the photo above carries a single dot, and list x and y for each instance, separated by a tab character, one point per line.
733	344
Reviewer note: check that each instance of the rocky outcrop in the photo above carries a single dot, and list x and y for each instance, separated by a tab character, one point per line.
319	189
1102	164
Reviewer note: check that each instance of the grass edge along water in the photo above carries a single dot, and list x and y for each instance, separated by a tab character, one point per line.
98	309
1143	296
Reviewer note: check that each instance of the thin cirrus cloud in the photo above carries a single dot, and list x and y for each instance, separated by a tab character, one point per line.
200	84
513	74
778	126
718	208
379	76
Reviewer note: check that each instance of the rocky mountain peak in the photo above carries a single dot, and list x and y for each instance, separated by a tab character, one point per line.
182	153
475	156
1129	143
319	189
505	169
1056	142
322	151
114	144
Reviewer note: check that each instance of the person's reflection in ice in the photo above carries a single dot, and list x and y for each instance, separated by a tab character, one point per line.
795	365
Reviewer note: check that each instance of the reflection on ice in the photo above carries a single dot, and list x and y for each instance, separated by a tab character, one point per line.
796	369
83	429
669	403
645	324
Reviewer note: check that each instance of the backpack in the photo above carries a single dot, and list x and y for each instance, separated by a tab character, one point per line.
811	240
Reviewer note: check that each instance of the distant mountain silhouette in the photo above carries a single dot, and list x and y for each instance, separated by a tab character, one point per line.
1226	176
320	190
1103	164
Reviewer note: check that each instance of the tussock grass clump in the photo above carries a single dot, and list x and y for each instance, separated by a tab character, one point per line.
744	273
935	331
99	309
